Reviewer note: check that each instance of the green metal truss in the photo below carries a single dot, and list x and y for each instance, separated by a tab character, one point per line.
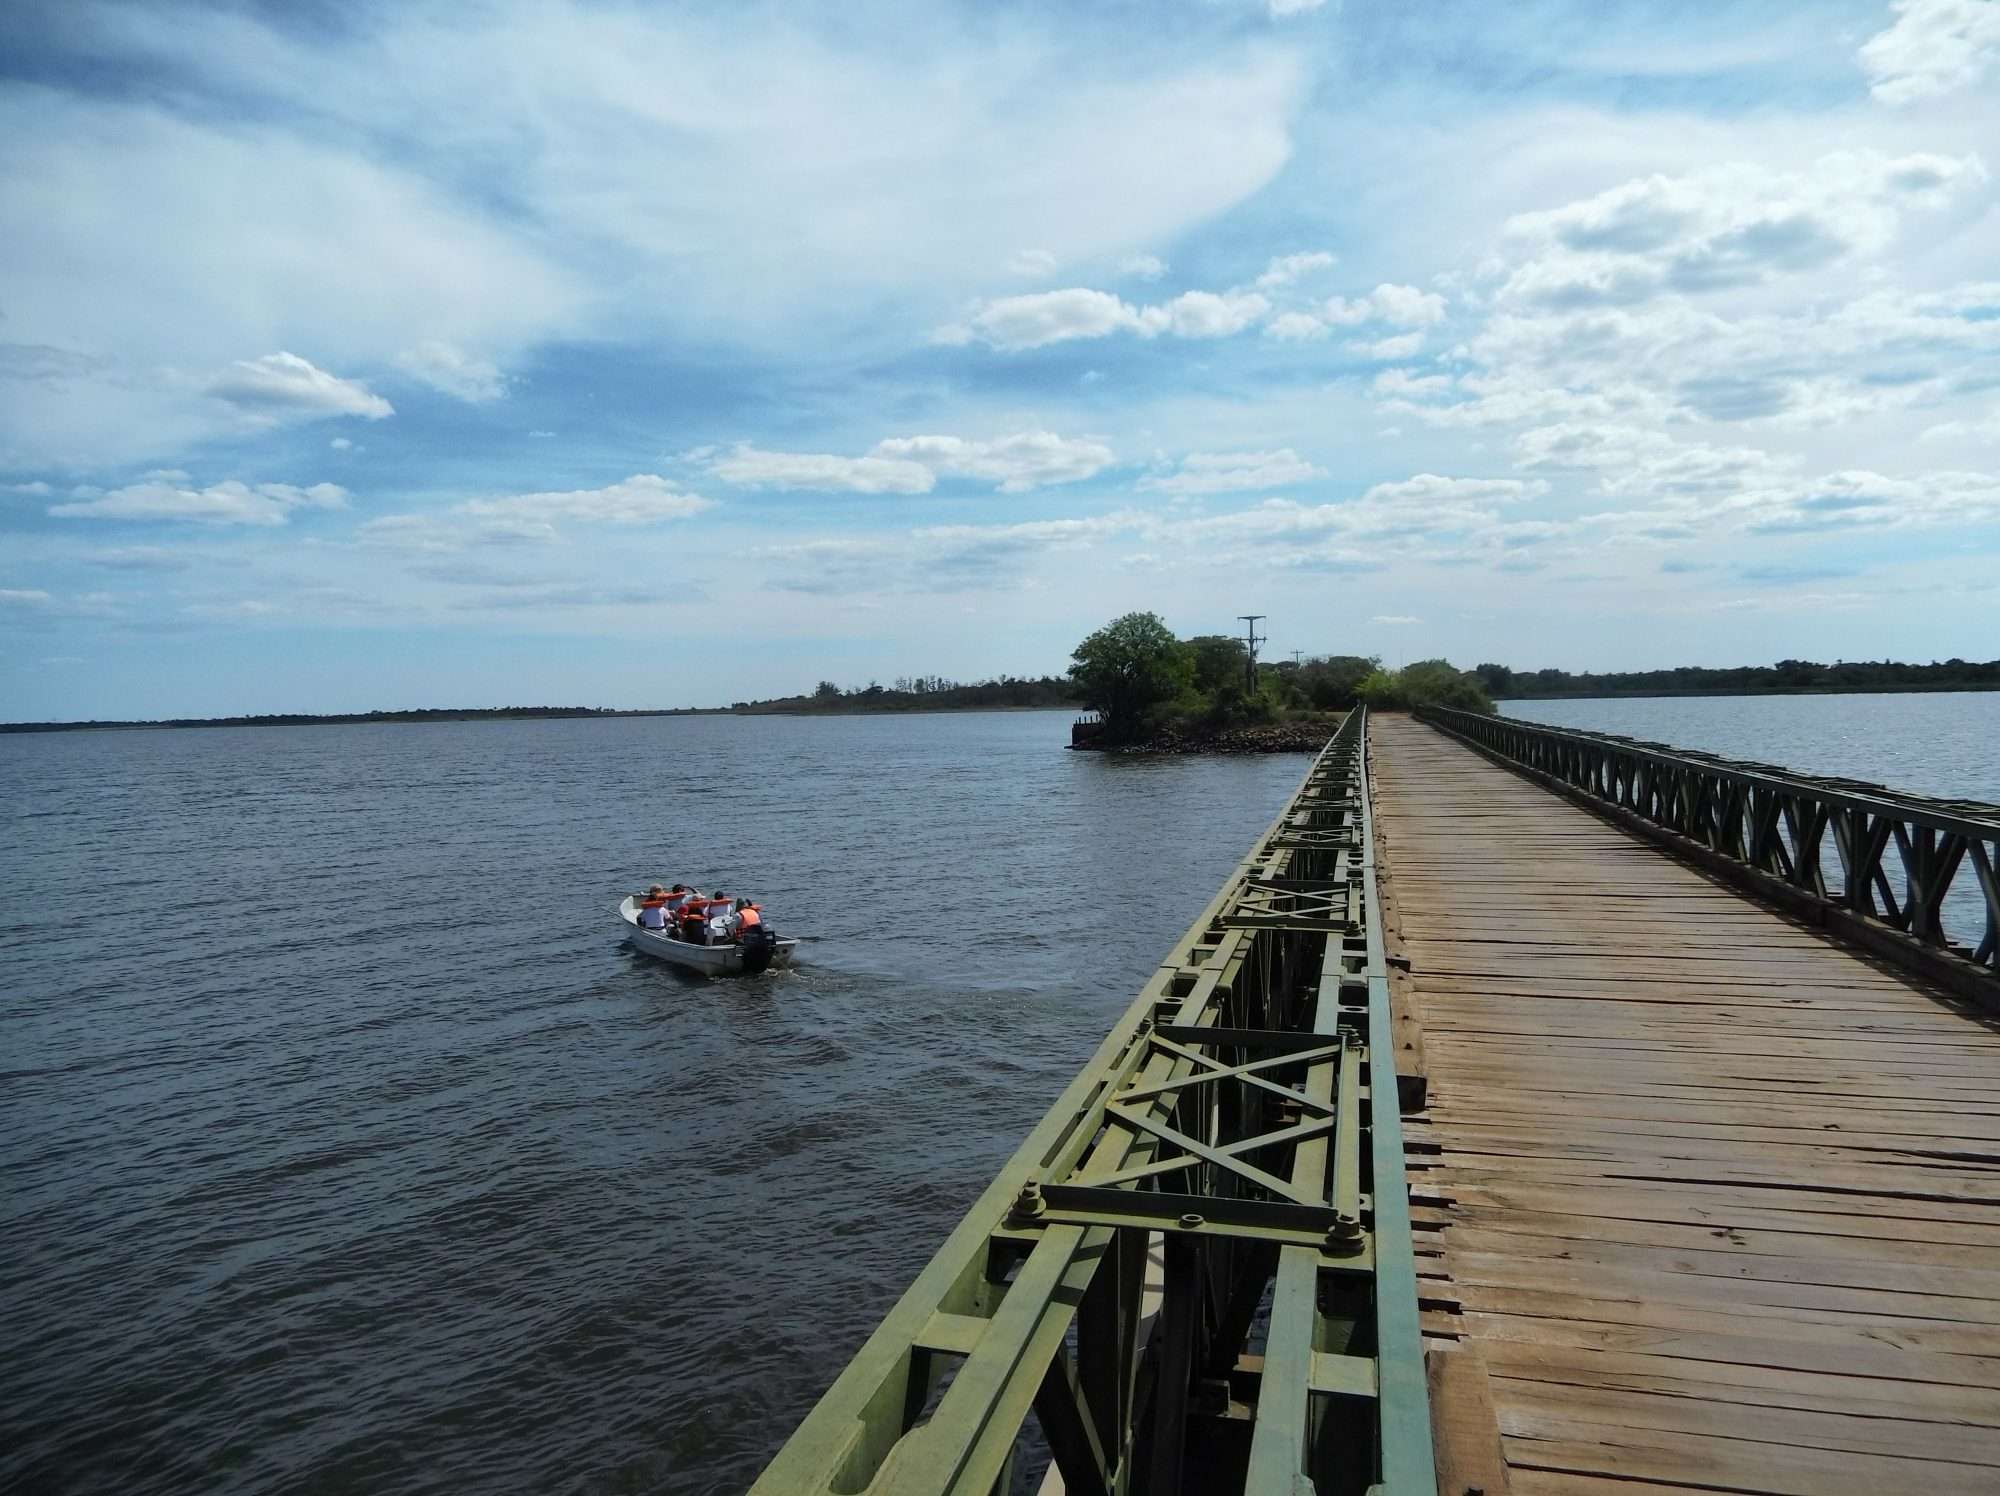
1221	1157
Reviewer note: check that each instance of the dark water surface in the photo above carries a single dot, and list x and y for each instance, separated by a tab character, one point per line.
348	1149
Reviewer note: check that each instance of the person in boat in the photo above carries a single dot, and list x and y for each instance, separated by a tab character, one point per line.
653	909
717	913
692	915
747	918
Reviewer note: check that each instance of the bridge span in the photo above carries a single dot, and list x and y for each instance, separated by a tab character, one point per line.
1532	1113
1705	1200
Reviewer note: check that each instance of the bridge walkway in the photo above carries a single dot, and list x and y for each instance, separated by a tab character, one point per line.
1713	1203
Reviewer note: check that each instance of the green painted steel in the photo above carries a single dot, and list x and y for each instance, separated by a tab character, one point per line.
1196	1273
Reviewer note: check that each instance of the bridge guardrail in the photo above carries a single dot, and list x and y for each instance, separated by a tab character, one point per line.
1923	871
1224	1155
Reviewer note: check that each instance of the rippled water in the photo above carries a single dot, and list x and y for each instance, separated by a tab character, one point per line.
348	1148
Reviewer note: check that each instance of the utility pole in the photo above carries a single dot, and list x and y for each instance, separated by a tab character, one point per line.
1251	640
1295	655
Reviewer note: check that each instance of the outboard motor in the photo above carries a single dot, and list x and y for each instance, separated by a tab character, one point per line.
759	945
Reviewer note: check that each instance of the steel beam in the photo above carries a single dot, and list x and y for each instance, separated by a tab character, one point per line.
1229	1117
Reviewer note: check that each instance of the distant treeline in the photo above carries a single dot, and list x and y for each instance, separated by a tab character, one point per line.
335	719
923	693
1744	680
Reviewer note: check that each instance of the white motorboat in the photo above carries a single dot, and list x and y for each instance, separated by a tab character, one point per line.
728	959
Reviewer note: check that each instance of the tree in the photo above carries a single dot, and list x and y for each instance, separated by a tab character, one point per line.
1333	684
1129	667
1219	662
825	690
1496	678
1426	683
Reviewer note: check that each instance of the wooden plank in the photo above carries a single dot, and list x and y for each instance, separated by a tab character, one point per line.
1752	1384
1465	1432
1607	1454
1543	1409
1718	1201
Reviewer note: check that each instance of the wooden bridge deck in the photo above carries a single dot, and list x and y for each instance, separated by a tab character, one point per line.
1718	1203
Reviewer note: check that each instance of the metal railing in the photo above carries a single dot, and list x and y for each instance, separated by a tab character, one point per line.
1196	1274
1927	869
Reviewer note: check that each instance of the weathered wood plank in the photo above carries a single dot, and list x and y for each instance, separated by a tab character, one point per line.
1717	1201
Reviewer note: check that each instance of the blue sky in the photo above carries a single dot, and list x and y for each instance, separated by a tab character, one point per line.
362	357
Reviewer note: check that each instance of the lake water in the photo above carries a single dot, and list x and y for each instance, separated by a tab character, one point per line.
349	1149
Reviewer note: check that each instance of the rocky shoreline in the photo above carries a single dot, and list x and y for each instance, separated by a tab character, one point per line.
1283	737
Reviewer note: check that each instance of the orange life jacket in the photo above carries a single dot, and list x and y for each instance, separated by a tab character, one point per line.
748	919
653	901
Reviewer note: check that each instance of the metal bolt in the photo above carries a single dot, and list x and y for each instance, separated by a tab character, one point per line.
1344	1235
1191	1220
1029	1202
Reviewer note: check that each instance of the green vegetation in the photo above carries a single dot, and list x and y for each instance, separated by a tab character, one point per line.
1130	669
1746	680
923	693
1426	683
1143	681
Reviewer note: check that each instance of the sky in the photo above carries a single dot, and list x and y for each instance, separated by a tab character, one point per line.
543	352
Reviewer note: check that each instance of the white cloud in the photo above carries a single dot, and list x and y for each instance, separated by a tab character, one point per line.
1428	489
1399	306
341	444
452	372
534	518
1395	618
283	386
239	608
1632	460
166	497
1014	324
1986	429
1935	47
1142	267
1402	384
1401	346
1395	305
1285	269
140	558
1295	327
1204	314
1724	227
751	467
1032	262
23	597
823	181
936	558
913	464
1025	460
1233	472
641	499
1284	9
37	489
